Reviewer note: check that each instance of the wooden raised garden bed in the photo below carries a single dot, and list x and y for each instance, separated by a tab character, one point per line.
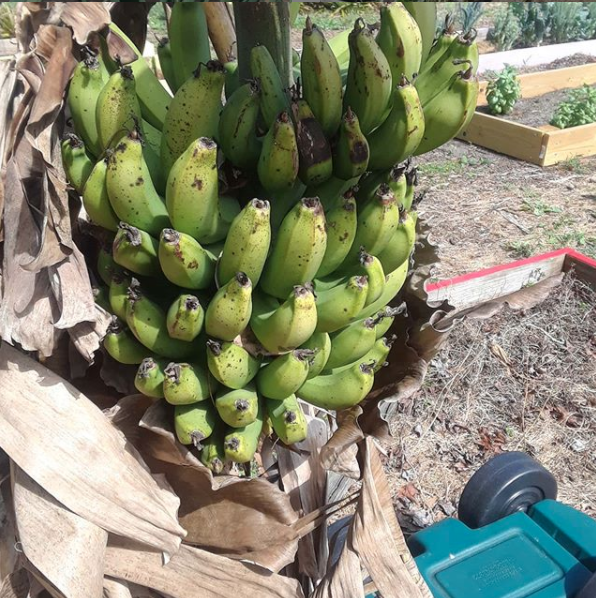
544	145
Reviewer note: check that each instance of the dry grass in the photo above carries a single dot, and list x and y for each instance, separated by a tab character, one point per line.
520	381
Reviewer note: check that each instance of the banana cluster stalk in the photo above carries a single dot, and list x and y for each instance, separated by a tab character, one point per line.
255	248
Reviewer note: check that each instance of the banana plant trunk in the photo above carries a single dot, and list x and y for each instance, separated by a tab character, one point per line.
266	24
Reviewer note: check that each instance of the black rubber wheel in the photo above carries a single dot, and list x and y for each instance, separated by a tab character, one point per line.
506	484
589	590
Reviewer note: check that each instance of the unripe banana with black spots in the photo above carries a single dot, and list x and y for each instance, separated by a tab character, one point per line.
396	180
187	383
371	267
394	281
184	262
339	306
106	266
399	136
118	294
192	191
102	298
376	357
76	162
320	344
401	41
148	322
238	408
368	87
213	455
274	99
402	243
185	318
340	390
117	109
95	197
228	313
189	39
351	343
231	364
321	79
193	113
282	328
425	15
240	444
351	152
285	374
411	178
449	111
136	251
122	346
194	423
227	209
132	194
247	243
314	151
85	86
150	377
441	44
298	250
287	419
164	54
278	161
238	126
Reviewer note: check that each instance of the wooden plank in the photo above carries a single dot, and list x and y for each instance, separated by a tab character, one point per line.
565	144
583	267
506	137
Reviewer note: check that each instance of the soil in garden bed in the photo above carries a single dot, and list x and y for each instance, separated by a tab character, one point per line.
519	381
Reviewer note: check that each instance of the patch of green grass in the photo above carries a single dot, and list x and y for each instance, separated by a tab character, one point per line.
573	165
576	239
539	208
520	249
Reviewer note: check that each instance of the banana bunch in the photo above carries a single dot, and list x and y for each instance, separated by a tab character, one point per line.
241	299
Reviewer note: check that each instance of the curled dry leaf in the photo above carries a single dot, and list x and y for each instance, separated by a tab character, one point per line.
85	18
348	434
66	445
65	548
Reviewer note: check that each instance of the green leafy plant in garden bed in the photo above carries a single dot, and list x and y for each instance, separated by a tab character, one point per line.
503	91
578	109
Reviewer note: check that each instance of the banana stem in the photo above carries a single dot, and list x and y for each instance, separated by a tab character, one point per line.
266	24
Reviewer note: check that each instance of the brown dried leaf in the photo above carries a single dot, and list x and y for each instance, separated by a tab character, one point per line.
117	588
65	548
15	585
68	447
85	18
347	435
192	572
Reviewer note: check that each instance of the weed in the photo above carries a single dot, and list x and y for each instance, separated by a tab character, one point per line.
520	249
573	165
578	109
539	208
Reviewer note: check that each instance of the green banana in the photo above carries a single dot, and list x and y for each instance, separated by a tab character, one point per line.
185	318
287	419
102	298
321	79
372	268
368	87
340	390
340	47
341	225
106	266
402	243
351	343
231	364
314	151
285	374
411	179
136	251
213	455
247	243
401	41
339	306
192	191
449	111
76	162
394	281
95	197
237	408
184	262
151	153
232	78
299	249
384	319
150	377
153	97
396	180
320	344
274	99
148	322
189	39
193	113
121	345
282	328
187	383
85	86
278	163
425	14
117	109
329	191
227	209
237	133
118	294
441	44
351	153
194	423
240	444
131	191
376	358
399	136
228	313
164	54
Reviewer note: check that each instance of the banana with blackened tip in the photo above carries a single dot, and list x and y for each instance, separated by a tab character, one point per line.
240	444
231	364
122	346
228	313
194	423
372	268
238	408
402	243
384	319
186	383
185	318
351	153
150	377
287	419
339	306
285	374
320	344
76	162
213	455
136	251
118	294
